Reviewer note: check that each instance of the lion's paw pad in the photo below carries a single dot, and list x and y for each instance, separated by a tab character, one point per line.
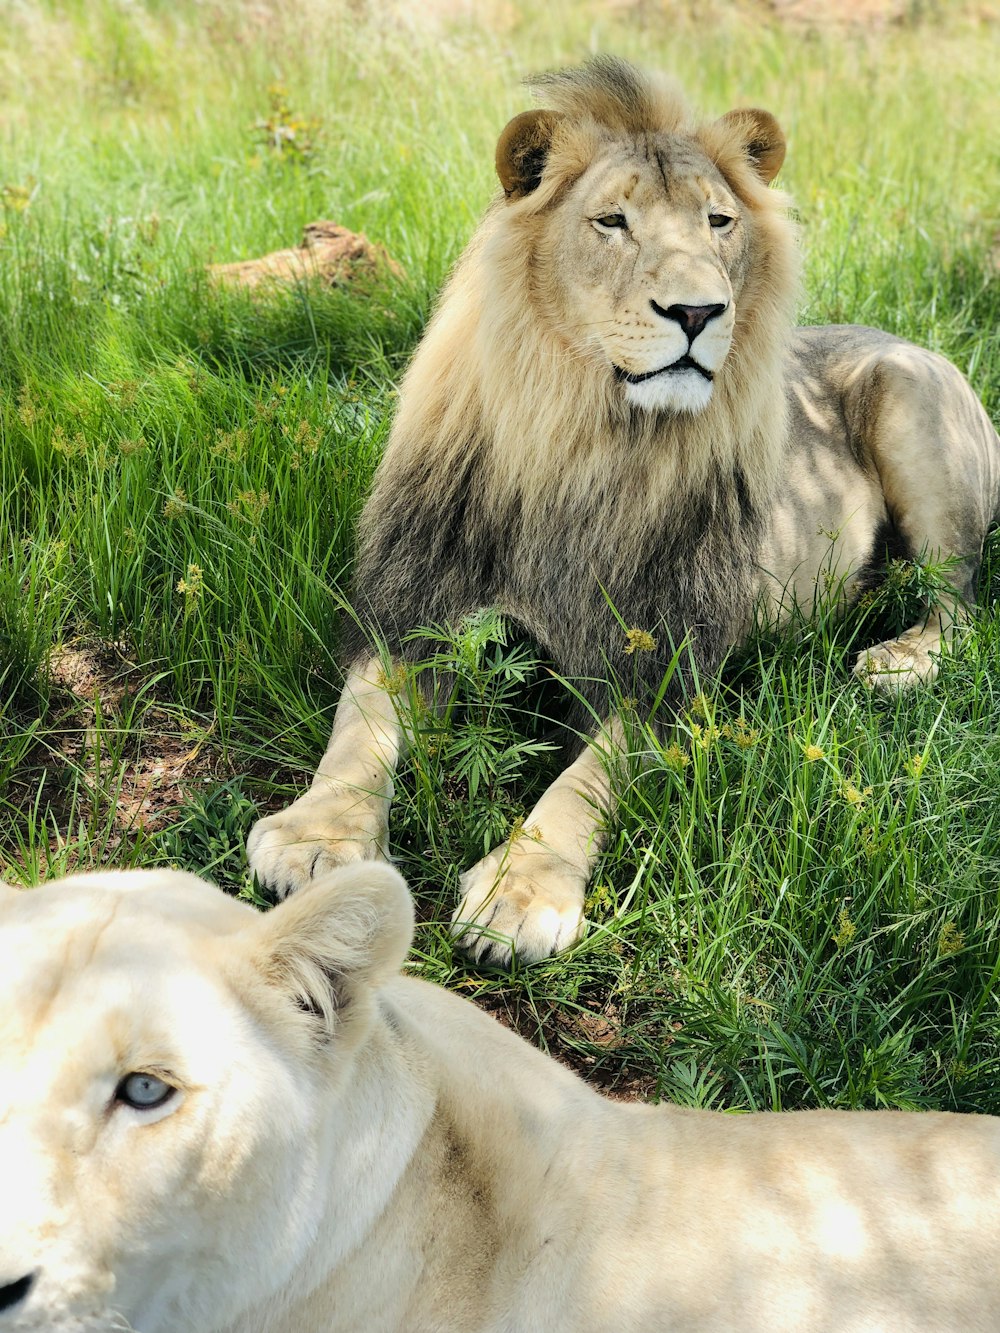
289	849
508	912
894	666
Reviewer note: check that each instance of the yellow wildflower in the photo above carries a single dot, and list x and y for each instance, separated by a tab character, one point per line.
951	940
744	735
249	504
600	901
519	829
27	408
191	587
69	448
231	444
675	758
812	753
639	641
175	504
846	930
393	683
854	795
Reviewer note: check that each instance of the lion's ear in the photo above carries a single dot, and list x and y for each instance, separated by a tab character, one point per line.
333	941
762	139
522	149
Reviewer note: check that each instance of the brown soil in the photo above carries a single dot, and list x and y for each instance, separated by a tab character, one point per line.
589	1042
128	777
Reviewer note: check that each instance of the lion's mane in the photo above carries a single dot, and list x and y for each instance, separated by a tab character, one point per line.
517	478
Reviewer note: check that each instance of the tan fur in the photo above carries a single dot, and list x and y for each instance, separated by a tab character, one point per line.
329	255
516	365
349	1149
555	450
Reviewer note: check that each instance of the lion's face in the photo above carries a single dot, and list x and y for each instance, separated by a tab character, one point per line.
640	240
160	1075
649	267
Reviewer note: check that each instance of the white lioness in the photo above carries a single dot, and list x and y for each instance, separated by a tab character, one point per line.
612	433
213	1121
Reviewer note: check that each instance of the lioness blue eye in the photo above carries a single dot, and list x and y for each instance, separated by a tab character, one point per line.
143	1092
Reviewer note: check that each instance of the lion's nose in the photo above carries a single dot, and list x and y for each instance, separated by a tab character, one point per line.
691	318
13	1293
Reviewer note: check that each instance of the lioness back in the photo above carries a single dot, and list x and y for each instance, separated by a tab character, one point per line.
215	1121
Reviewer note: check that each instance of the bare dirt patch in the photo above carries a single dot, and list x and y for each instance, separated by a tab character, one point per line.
593	1043
130	758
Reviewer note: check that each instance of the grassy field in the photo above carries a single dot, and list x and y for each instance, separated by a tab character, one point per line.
800	904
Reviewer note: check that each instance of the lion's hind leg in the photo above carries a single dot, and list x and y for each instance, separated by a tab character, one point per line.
911	659
923	431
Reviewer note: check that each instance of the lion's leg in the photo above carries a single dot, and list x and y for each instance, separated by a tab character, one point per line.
912	658
344	814
935	453
527	896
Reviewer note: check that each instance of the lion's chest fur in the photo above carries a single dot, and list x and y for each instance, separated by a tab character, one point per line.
577	564
613	568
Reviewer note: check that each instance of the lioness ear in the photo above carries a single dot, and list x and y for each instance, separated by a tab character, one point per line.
333	941
522	149
762	139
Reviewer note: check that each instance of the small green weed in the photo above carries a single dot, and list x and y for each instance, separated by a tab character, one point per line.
209	837
286	136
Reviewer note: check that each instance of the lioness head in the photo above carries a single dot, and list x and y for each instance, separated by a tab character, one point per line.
643	228
168	1063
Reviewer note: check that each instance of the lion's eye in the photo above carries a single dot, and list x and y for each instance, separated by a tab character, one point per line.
612	221
719	220
143	1092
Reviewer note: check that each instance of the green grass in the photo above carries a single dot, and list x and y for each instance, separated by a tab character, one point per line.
180	472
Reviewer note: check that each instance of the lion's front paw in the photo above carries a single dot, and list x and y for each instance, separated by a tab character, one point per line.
895	665
522	899
316	833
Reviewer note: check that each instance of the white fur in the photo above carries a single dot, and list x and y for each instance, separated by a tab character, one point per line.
674	391
401	1163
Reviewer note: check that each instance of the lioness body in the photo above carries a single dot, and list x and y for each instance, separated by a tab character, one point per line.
611	426
343	1148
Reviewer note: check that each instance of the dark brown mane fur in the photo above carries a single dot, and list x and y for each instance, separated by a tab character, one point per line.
517	479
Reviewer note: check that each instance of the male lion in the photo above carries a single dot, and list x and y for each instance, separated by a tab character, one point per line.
213	1121
612	422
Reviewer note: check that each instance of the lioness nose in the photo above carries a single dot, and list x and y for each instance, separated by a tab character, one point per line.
13	1293
691	318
